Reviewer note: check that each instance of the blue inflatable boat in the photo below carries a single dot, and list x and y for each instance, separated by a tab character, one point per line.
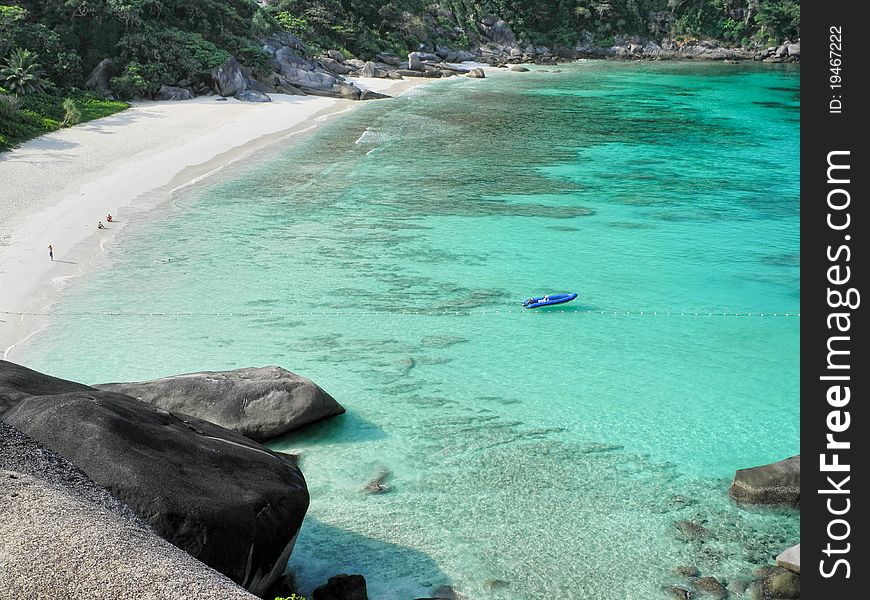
549	300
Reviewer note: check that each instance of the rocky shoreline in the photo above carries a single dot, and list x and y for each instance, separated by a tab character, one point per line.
776	485
154	485
296	69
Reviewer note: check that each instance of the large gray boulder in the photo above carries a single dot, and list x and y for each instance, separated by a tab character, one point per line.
415	63
259	403
334	66
476	73
169	92
777	483
63	535
311	77
371	70
389	58
500	33
18	383
222	498
228	78
98	79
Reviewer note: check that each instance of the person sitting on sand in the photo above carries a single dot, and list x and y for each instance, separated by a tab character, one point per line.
109	218
100	225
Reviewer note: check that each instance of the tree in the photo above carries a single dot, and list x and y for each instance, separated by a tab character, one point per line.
22	74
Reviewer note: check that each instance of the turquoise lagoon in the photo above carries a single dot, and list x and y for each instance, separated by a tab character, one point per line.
531	454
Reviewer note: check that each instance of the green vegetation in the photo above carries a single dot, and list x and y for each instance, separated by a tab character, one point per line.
25	117
51	45
22	74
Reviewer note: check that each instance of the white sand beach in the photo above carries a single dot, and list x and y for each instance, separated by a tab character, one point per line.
54	189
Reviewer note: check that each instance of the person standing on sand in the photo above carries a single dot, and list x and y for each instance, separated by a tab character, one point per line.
50	252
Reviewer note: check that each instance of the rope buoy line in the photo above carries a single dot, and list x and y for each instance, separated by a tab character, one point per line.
426	313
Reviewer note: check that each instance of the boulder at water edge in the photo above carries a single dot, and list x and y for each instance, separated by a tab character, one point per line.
259	403
777	483
217	495
790	559
18	383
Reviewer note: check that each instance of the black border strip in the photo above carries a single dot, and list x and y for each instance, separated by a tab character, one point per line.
833	217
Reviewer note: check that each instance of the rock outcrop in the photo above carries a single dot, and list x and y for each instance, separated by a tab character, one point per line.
259	403
221	497
228	78
18	383
309	76
63	535
98	79
778	483
334	66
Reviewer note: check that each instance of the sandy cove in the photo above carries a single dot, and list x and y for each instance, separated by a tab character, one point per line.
54	189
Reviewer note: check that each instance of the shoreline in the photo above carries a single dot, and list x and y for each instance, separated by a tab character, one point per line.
57	186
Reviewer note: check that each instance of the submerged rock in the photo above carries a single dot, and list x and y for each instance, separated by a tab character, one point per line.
335	66
378	485
691	530
687	571
781	584
678	593
259	403
711	587
217	495
343	587
776	483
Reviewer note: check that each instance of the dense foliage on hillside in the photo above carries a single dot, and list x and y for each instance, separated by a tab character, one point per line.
49	46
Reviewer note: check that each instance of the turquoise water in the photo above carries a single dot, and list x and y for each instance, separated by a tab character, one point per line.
538	454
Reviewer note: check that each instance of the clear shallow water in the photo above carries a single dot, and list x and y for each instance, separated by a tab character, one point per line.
538	454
